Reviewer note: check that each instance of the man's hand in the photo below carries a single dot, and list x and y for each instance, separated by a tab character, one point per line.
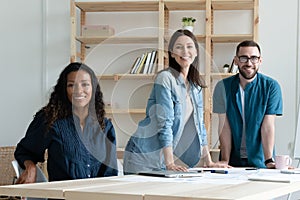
271	165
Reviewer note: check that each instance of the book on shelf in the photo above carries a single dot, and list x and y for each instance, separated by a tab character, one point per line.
233	67
135	64
147	62
141	64
155	64
152	62
230	67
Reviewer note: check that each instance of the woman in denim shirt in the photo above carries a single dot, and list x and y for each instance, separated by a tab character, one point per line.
173	135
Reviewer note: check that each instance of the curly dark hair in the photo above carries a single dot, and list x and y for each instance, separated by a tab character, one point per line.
60	107
193	74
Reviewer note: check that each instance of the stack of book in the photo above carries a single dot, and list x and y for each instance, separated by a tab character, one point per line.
145	64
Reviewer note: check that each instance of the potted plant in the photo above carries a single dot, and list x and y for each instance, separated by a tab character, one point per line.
188	23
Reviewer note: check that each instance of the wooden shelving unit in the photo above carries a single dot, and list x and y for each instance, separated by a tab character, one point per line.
163	9
112	6
213	6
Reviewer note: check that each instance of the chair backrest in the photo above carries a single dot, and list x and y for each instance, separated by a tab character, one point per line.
7	172
16	168
120	155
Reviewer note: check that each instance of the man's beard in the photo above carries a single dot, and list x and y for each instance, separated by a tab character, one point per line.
247	76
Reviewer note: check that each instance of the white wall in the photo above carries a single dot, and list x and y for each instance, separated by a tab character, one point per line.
35	41
21	66
278	39
35	47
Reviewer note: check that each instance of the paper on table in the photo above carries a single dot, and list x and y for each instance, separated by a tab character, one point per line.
290	171
269	178
273	175
234	175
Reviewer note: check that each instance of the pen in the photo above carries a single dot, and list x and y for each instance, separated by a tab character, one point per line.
219	171
251	168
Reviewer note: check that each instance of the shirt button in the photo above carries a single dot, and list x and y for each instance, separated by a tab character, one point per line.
88	165
89	175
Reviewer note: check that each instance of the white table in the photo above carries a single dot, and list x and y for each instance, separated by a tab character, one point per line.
211	186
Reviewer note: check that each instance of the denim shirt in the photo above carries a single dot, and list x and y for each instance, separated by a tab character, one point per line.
164	122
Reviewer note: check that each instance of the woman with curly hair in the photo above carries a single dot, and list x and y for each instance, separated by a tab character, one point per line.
73	128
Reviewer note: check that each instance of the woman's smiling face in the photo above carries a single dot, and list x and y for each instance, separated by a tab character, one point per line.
184	51
79	89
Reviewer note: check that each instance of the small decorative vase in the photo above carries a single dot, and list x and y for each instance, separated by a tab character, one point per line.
225	69
190	28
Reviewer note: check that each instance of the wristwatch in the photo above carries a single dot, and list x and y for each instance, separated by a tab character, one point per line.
270	160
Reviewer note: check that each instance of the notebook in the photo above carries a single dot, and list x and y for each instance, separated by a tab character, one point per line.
290	171
170	174
280	179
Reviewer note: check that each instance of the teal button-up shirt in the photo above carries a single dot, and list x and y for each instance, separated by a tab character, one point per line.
262	97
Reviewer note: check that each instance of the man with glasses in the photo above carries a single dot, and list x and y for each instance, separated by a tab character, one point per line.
247	104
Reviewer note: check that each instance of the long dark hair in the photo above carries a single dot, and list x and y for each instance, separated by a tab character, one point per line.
60	107
193	74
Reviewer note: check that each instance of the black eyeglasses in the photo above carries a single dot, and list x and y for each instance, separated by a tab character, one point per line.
253	59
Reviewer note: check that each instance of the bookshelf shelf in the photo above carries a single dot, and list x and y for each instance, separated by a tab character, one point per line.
185	5
232	5
125	111
230	38
120	6
200	38
117	40
221	75
117	77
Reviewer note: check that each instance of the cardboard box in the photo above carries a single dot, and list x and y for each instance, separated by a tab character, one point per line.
97	30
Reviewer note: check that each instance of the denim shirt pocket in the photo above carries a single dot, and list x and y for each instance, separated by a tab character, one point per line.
177	103
198	102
